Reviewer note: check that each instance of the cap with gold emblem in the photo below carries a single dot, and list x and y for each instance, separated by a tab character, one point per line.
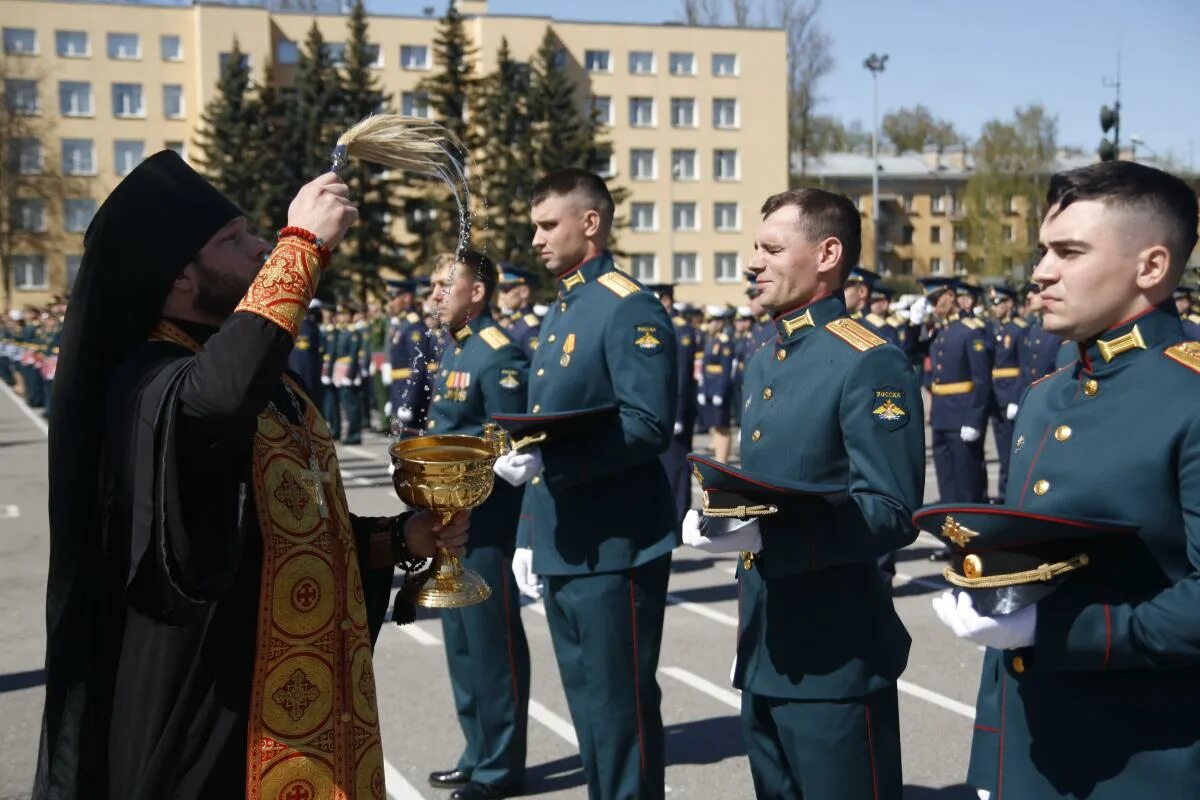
527	430
1007	559
730	492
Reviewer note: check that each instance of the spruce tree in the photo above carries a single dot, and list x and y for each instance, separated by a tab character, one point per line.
224	137
562	133
505	140
277	177
317	116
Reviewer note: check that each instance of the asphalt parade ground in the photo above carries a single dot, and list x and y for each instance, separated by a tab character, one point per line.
705	756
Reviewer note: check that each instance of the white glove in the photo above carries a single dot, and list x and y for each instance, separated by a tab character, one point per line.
1011	411
371	368
1005	632
387	408
528	583
326	380
983	794
968	434
718	401
701	399
678	428
357	382
404	414
518	468
385	374
918	312
741	538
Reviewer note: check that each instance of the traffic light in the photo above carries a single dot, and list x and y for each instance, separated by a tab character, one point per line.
1110	119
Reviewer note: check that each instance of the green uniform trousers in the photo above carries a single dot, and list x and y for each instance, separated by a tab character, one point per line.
489	673
814	750
607	631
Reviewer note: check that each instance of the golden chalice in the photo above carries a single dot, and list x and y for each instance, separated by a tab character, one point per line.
445	474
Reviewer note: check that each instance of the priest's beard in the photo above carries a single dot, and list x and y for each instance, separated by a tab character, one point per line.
218	293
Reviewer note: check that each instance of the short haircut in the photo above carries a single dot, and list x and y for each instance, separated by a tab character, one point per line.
1126	184
821	215
482	268
579	182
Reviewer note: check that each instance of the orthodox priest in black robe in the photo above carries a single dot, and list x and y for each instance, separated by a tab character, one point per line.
211	605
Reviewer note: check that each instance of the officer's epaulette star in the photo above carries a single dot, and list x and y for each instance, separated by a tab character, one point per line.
618	284
495	337
1185	353
531	320
412	316
854	334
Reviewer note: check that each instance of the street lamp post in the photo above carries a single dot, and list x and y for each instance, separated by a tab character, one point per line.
875	63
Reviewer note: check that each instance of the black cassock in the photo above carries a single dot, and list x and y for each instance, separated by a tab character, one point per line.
175	641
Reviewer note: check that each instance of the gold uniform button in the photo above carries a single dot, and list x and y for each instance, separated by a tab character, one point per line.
437	397
1062	433
767	393
562	306
756	436
1041	487
536	481
1018	664
1091	388
551	338
780	355
536	408
541	372
432	424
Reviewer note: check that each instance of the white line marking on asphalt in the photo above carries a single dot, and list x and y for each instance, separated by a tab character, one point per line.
535	606
942	701
362	452
422	636
725	696
354	478
10	512
397	787
553	721
703	611
34	417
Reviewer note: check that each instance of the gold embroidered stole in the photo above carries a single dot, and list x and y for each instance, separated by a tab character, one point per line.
313	731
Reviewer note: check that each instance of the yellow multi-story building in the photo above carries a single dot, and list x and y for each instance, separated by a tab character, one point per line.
697	116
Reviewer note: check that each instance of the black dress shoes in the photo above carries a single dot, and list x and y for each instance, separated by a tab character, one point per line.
485	791
450	779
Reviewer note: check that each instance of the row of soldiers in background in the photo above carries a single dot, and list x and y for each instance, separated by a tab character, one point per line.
29	352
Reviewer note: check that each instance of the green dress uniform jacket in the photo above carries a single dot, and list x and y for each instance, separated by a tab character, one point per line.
483	372
1106	703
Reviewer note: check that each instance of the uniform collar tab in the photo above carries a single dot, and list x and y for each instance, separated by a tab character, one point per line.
814	314
1146	331
584	273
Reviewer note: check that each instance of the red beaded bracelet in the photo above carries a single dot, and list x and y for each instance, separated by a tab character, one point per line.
311	238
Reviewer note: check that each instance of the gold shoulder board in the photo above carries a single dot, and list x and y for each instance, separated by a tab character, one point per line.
854	334
531	320
618	284
1186	353
495	337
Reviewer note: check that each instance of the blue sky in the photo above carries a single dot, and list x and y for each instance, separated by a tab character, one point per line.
973	60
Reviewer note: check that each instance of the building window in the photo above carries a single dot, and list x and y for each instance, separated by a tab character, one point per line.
72	44
128	100
414	56
336	53
725	165
960	235
935	266
73	263
124	46
26	156
683	112
643	217
682	63
726	217
644	267
415	104
75	98
956	205
1007	264
728	267
960	265
935	234
725	112
128	153
77	213
171	47
685	268
178	148
597	60
725	65
683	217
287	52
604	165
373	55
906	266
20	42
223	59
641	62
937	204
78	157
1006	233
602	110
173	100
906	234
23	97
683	165
642	166
641	112
29	272
907	200
1010	204
29	215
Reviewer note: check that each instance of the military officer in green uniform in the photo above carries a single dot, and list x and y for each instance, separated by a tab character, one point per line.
829	403
598	521
483	372
1094	690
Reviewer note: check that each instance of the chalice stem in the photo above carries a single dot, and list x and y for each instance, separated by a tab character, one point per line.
445	560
